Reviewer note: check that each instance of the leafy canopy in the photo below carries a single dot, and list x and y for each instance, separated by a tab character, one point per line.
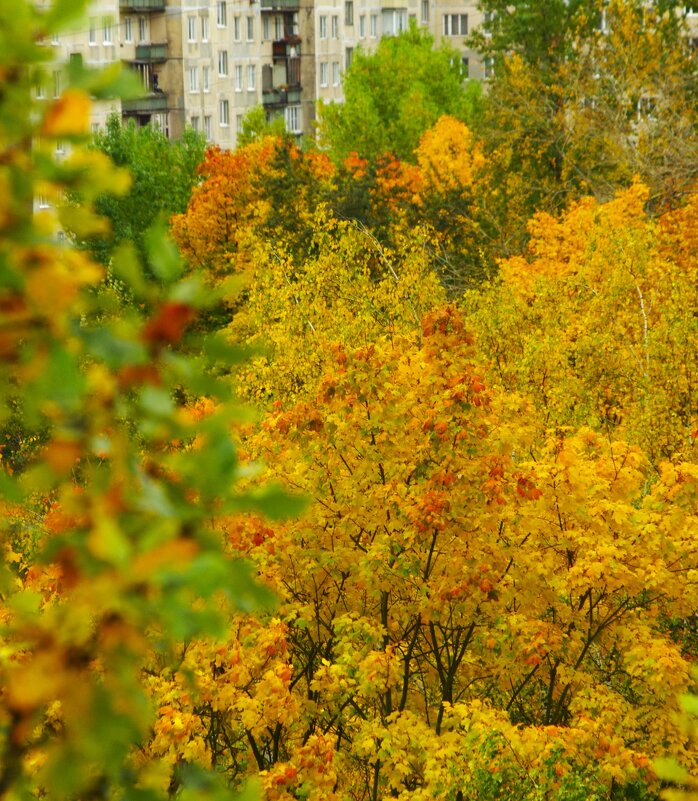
393	95
163	171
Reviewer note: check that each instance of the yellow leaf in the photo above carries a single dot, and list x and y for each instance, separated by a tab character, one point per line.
68	116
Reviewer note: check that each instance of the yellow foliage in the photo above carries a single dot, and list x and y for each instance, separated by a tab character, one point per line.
447	157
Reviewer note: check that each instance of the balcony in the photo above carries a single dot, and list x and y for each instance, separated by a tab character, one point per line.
142	5
286	48
282	97
280	5
151	53
151	103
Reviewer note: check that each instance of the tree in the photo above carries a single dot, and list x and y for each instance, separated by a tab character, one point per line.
458	619
608	347
111	559
545	34
164	173
269	186
541	33
255	126
586	108
393	95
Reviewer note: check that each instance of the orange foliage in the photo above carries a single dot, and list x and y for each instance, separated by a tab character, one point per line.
222	208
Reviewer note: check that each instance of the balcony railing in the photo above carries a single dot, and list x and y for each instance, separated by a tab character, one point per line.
151	53
280	5
142	5
155	101
282	97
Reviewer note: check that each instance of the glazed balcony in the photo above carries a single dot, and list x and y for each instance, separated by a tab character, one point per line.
280	5
150	104
282	96
142	5
151	53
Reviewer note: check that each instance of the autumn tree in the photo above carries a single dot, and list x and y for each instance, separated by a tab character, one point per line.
609	348
608	95
463	610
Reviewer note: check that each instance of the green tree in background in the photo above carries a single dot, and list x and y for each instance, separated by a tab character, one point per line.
256	126
164	173
395	94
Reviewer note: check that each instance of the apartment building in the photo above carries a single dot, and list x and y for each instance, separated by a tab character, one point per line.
204	63
96	43
450	22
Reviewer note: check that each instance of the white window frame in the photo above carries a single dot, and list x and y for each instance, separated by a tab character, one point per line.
362	26
236	29
143	32
193	79
374	25
107	30
223	113
204	29
208	129
222	63
425	12
324	74
128	30
249	29
323	26
191	29
251	78
92	33
206	78
335	26
453	25
221	14
266	28
335	73
238	77
195	123
293	119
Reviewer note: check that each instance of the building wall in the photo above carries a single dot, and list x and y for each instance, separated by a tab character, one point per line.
205	63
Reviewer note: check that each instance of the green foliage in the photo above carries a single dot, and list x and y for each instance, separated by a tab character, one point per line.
256	126
540	32
395	94
111	558
543	33
164	174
